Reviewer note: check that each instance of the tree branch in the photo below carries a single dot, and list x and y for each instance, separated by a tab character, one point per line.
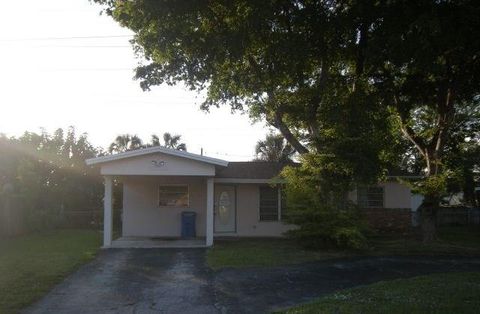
412	137
283	128
409	132
316	101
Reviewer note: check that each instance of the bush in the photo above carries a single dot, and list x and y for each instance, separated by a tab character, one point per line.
350	237
324	227
317	204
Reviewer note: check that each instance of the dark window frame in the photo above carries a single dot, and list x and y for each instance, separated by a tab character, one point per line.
371	197
269	208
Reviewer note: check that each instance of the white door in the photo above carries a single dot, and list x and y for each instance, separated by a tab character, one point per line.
225	210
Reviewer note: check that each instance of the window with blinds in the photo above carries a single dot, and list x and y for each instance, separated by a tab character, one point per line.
268	203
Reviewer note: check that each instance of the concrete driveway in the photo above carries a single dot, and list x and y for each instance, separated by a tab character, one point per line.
178	281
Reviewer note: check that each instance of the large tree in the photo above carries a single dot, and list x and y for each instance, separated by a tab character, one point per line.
290	63
423	59
325	73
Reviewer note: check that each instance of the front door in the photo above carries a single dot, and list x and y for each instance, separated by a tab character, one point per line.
225	210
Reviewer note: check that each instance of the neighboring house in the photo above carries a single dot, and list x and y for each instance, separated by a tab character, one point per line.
238	199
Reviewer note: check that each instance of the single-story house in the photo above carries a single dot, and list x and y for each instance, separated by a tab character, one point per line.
236	199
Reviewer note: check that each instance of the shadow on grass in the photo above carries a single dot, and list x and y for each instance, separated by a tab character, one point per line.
251	252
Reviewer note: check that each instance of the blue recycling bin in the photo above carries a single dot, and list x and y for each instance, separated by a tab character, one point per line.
188	224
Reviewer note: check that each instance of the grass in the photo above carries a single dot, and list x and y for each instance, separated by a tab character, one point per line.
463	241
31	265
275	252
262	252
438	293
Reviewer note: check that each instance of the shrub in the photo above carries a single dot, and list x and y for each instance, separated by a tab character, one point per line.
324	227
350	237
318	206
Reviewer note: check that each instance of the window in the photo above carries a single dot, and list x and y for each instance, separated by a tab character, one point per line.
369	197
268	203
173	196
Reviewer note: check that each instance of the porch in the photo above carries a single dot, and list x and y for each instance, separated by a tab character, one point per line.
161	184
146	224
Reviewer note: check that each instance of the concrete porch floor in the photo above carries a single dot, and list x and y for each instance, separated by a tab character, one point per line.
147	243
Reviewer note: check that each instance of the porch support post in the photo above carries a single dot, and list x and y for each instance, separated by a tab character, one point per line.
107	212
209	222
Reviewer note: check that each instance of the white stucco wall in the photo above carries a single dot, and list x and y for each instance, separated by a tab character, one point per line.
248	223
145	165
396	195
143	217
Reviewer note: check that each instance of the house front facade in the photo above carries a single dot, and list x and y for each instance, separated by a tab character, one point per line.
226	199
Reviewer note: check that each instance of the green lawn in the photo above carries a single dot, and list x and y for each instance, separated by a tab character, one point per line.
262	252
438	293
31	265
452	241
274	252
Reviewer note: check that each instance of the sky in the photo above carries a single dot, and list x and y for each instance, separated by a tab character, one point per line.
63	64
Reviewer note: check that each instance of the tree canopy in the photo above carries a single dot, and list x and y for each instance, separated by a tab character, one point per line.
338	79
293	64
47	174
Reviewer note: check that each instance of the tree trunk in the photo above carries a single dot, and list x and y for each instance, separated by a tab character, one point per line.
469	188
428	210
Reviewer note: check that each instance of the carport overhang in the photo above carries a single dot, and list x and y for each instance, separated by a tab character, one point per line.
156	161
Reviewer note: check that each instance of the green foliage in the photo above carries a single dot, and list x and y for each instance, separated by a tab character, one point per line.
125	143
331	76
350	237
316	203
430	76
324	227
49	175
287	62
172	141
434	187
462	156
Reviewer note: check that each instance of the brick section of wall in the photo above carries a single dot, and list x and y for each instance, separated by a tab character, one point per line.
388	219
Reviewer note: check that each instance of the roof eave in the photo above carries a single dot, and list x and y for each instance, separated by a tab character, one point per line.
156	149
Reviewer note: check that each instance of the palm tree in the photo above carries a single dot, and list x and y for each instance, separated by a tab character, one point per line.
172	141
125	143
155	141
169	141
274	148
